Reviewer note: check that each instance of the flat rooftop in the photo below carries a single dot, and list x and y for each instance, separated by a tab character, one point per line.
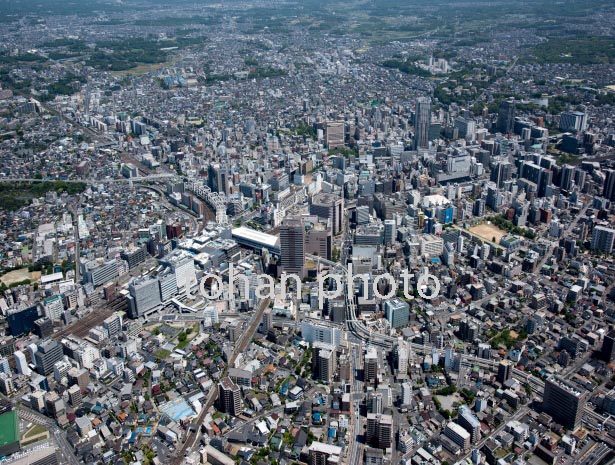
255	236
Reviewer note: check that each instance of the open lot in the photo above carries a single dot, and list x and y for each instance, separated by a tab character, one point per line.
488	231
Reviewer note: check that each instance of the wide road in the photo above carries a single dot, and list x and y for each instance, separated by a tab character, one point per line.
194	436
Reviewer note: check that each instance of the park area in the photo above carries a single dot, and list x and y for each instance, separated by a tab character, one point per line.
488	232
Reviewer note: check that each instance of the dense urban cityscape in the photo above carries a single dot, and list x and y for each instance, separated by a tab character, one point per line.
307	233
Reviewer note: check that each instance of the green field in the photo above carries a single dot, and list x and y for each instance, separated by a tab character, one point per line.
9	428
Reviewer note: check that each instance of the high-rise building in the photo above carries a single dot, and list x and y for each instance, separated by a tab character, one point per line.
371	365
49	352
144	295
312	331
229	397
21	363
458	435
335	134
422	121
504	371
469	422
267	322
43	327
218	178
602	239
506	117
321	453
567	177
406	393
390	231
397	312
564	402
608	190
292	246
326	365
113	324
379	430
608	347
573	121
330	207
501	172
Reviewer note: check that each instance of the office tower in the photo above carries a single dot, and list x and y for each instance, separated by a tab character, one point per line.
182	264
468	331
506	117
113	324
379	430
54	405
504	371
422	121
397	312
292	247
608	191
229	397
313	331
98	272
80	377
321	453
144	295
371	365
567	177
43	327
335	134
390	231
458	435
564	402
267	323
21	363
218	178
602	239
49	352
478	208
608	347
501	172
467	420
318	238
330	207
573	121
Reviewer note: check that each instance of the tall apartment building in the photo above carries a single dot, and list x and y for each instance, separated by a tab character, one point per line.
324	361
370	366
458	435
564	402
467	420
379	430
229	397
602	239
321	453
422	122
